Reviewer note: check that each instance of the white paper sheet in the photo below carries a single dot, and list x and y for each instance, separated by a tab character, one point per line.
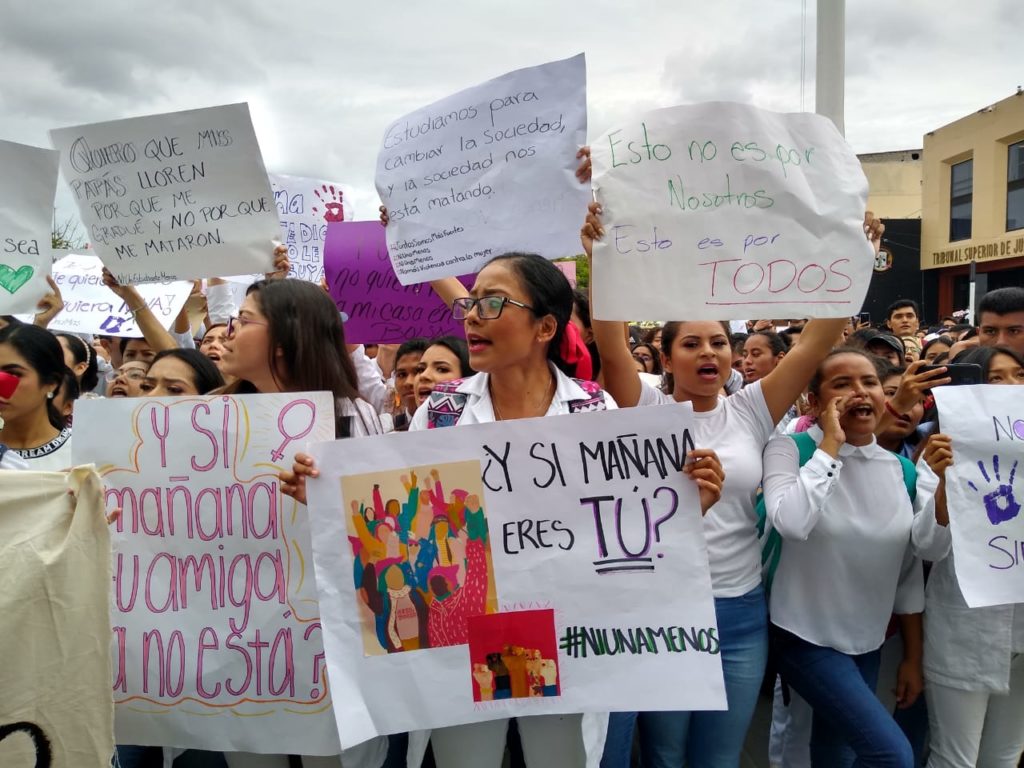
725	211
985	489
28	183
212	578
487	170
173	197
91	307
515	540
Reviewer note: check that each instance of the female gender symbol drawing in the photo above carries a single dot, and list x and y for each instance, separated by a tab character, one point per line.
278	453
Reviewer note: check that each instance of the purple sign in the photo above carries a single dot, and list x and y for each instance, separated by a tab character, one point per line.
377	307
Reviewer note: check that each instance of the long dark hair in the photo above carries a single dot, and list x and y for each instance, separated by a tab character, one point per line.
44	354
205	376
83	353
457	347
305	326
983	356
549	293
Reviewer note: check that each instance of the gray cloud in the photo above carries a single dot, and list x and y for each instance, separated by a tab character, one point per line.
324	78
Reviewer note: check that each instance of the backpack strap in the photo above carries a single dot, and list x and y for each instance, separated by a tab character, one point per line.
445	404
805	445
909	476
771	543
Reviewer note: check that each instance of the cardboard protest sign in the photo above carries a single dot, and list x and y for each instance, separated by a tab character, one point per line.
487	170
56	707
523	567
91	307
28	185
175	196
217	640
732	211
306	207
984	490
376	307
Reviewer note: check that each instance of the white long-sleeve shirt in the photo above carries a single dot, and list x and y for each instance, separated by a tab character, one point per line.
847	560
370	380
966	648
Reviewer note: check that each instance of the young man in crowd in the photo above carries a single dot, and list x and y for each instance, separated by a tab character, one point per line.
1001	319
903	317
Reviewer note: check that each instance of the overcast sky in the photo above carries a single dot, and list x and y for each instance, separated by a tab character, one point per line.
323	79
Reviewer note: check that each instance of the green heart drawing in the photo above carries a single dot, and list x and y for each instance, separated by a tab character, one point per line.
13	279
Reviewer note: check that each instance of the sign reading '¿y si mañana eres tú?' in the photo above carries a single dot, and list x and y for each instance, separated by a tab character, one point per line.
216	638
535	566
733	212
28	182
173	197
487	170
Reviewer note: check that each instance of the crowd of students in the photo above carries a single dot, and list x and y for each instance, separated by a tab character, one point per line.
822	434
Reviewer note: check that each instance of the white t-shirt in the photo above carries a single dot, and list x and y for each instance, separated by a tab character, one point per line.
55	456
737	430
847	560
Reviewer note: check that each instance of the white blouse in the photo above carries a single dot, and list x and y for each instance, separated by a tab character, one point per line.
847	560
966	648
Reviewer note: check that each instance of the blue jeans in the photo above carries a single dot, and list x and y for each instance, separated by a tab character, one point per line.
850	726
704	739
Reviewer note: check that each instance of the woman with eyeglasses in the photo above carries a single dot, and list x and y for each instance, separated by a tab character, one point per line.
126	381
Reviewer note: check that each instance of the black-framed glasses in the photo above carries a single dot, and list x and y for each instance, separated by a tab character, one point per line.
236	322
487	307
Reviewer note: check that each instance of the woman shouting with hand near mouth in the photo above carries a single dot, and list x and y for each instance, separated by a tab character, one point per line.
845	507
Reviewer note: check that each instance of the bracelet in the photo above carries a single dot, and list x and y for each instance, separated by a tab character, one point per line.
136	310
894	412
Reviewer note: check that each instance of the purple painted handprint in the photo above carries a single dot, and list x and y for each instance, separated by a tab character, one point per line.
1000	504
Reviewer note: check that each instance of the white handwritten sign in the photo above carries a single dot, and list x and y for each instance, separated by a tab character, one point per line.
176	196
488	170
984	490
216	625
91	307
305	207
732	211
530	567
28	183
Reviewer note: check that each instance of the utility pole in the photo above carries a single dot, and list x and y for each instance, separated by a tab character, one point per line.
830	62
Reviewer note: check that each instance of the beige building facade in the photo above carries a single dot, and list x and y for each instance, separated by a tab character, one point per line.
973	199
894	183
